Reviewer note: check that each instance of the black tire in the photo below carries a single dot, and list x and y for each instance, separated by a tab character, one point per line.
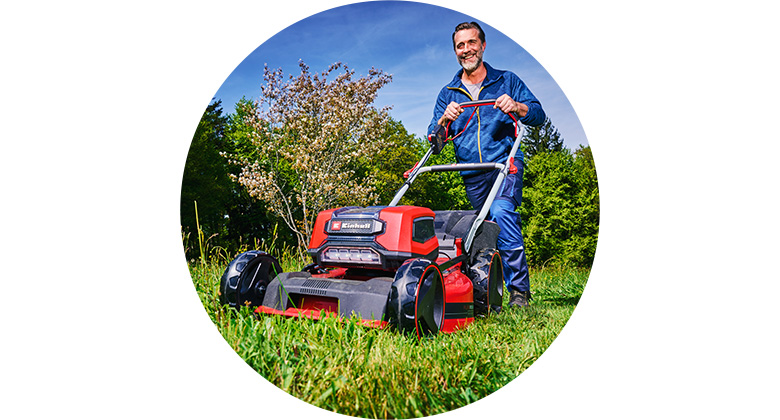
416	301
246	279
487	276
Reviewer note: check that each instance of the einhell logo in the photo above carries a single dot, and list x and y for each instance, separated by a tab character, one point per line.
353	226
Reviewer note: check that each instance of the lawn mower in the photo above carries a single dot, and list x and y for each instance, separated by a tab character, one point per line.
419	270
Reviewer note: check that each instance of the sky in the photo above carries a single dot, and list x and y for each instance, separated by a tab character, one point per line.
411	41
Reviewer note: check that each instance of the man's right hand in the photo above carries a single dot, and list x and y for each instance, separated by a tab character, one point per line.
452	113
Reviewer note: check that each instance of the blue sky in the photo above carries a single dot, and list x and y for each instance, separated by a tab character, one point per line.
411	41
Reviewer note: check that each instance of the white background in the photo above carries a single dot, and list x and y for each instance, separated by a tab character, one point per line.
99	103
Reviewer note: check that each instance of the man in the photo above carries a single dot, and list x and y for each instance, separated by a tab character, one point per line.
489	138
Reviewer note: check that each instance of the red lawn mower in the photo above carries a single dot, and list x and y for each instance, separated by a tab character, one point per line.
419	270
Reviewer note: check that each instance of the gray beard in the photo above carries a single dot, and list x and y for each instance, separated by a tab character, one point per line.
469	68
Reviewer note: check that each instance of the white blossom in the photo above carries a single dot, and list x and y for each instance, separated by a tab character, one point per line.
310	132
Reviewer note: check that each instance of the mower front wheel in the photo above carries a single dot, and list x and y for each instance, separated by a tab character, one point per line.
246	279
416	301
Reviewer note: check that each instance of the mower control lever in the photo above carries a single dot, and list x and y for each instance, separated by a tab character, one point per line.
409	172
438	138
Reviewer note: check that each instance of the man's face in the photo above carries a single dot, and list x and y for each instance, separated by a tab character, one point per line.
469	49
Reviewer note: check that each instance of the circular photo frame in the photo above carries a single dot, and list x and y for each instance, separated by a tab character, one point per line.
389	210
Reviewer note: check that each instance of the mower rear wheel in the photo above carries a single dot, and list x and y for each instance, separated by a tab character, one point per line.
246	279
416	301
487	276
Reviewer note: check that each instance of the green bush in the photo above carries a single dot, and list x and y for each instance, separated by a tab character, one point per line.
560	209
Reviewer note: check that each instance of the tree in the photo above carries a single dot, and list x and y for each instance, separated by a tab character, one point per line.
542	138
389	164
442	190
587	204
312	139
435	190
560	208
248	220
205	178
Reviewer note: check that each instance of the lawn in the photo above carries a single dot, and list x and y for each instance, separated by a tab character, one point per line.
365	372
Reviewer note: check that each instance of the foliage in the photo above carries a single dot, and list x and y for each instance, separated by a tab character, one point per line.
442	190
437	191
560	208
540	139
364	372
249	220
587	202
228	217
402	151
205	178
312	139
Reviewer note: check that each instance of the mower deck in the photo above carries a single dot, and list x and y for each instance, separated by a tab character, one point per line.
332	294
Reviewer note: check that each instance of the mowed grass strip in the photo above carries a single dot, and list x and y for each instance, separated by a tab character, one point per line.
372	373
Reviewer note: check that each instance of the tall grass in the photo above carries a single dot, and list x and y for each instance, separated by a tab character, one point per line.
364	372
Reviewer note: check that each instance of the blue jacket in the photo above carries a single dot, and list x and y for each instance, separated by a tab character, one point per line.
490	134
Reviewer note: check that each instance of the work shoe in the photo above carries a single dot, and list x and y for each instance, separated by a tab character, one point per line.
519	299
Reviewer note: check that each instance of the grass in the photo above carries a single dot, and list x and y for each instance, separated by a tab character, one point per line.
365	372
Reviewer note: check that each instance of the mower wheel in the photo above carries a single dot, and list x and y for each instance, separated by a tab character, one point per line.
487	276
416	301
246	278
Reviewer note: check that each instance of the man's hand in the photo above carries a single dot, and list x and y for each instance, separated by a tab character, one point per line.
452	113
506	104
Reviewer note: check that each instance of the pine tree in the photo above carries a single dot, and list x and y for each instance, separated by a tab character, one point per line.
542	138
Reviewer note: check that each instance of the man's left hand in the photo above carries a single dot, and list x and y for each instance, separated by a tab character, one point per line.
506	104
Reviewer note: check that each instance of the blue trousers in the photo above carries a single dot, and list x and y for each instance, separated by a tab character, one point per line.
510	239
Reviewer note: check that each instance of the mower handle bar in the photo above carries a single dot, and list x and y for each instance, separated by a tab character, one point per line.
503	171
462	167
419	168
478	103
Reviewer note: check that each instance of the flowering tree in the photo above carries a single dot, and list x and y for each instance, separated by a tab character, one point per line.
312	139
